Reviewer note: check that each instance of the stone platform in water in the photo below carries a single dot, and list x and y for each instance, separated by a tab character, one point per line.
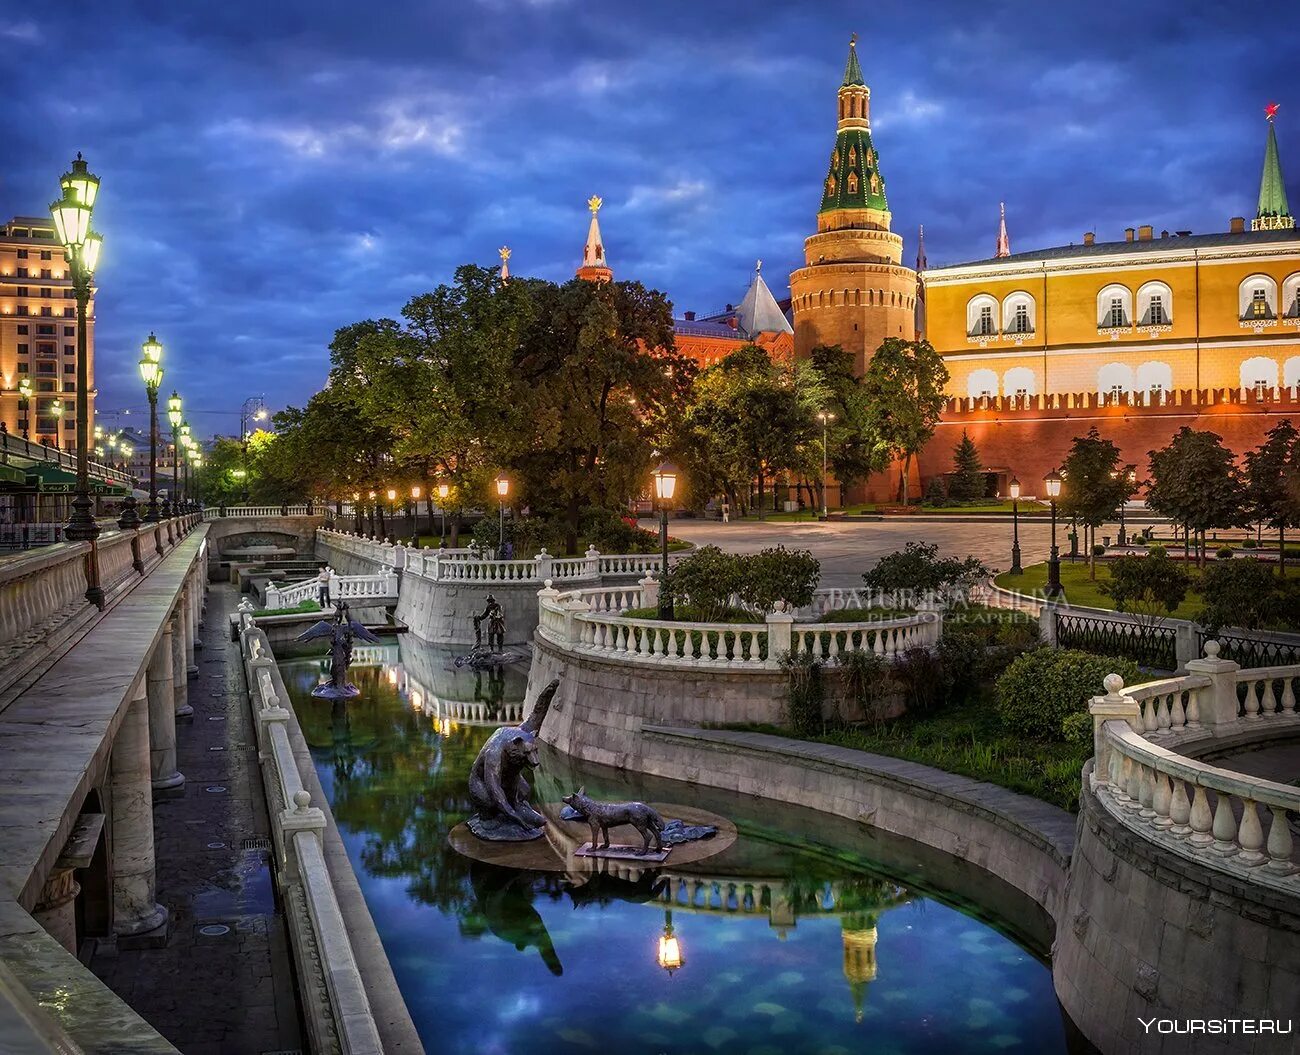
329	692
558	851
623	852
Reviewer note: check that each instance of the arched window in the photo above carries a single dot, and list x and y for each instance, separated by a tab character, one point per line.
1258	298
1259	375
1291	372
1114	307
1155	380
1019	383
1155	304
1114	381
1291	296
830	186
982	384
981	316
1018	313
852	183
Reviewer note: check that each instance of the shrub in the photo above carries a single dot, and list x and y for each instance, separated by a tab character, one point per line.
1040	688
486	534
611	533
1138	540
921	677
1155	551
935	492
708	578
1249	543
918	567
1099	550
1076	728
778	574
804	693
1224	553
1148	587
867	678
1245	593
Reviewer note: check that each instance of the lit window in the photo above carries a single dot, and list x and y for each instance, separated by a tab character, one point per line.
1259	303
1116	393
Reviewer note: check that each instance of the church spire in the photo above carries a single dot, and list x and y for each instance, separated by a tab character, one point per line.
1004	242
594	266
918	313
1273	213
853	71
504	253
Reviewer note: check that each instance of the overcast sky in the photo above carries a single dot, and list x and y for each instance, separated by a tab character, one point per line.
273	170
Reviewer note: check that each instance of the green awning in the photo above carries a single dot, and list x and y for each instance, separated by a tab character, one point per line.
54	479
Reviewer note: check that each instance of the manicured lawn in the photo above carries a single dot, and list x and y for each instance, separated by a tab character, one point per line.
1027	508
969	739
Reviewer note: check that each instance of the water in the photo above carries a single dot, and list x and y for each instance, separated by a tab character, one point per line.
808	935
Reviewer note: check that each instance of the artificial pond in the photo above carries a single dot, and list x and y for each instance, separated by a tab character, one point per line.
810	934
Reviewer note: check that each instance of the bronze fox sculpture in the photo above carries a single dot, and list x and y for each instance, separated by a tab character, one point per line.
606	815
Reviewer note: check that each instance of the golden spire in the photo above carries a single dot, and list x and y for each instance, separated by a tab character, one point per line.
504	253
594	203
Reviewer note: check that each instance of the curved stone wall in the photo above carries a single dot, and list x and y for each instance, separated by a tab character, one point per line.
443	612
1144	934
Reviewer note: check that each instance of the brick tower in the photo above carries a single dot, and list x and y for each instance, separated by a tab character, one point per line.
853	291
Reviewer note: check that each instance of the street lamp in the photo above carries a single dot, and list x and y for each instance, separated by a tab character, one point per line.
185	446
1130	478
174	419
503	488
151	373
670	948
444	489
392	508
81	245
1014	489
1052	482
665	477
415	515
825	417
25	395
252	409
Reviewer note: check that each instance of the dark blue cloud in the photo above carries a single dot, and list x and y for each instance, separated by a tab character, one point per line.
274	170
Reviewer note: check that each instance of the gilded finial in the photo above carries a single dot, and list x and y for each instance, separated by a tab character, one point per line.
853	40
504	253
594	203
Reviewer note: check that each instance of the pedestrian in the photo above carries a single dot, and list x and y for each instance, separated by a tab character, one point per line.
323	586
726	512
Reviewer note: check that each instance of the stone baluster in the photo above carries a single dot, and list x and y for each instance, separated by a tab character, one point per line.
1250	836
1180	809
162	715
180	688
1288	695
1160	802
1280	843
1225	827
1253	704
135	907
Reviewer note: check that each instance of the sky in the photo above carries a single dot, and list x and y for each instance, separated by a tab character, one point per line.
274	170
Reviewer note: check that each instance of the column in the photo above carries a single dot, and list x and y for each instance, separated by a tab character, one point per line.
135	909
56	910
162	715
199	580
186	605
180	690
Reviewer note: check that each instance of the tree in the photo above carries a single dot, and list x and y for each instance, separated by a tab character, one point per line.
1266	471
1095	486
967	483
1150	587
1194	482
904	389
1245	593
854	449
918	569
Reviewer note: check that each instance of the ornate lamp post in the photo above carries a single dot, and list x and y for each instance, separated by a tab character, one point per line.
392	508
1014	489
81	246
665	477
252	409
670	948
151	373
444	489
1052	482
415	515
503	489
1130	478
186	442
56	412
825	417
356	509
25	397
174	419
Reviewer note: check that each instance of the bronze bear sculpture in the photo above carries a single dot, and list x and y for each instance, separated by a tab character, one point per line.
498	784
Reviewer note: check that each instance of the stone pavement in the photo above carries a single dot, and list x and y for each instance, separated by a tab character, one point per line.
228	991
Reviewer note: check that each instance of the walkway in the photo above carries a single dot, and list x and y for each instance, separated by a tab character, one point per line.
229	991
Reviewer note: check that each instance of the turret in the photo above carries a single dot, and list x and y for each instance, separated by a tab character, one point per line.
1273	213
594	266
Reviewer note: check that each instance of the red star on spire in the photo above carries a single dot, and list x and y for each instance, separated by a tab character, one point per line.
1270	111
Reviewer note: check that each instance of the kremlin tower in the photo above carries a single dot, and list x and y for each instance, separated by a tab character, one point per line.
853	291
594	267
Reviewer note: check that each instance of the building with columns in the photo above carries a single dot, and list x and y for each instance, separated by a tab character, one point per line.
38	333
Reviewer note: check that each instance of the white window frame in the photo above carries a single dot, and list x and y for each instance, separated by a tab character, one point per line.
1145	294
1246	298
1010	303
1104	297
974	308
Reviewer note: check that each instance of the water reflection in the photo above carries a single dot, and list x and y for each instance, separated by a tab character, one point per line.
790	940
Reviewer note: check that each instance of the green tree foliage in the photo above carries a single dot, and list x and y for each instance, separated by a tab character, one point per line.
707	579
1194	482
967	482
1149	587
904	390
854	447
778	574
1245	592
1095	486
1042	688
918	569
1267	471
936	493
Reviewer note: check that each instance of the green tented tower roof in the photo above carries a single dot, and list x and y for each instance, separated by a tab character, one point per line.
853	71
1272	191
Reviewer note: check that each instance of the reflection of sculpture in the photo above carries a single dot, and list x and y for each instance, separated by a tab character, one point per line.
606	815
341	632
503	904
497	781
496	622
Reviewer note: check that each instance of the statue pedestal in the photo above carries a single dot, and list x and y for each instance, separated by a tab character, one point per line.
623	852
329	692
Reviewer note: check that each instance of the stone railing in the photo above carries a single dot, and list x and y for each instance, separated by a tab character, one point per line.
592	622
343	1019
381	587
217	512
1144	776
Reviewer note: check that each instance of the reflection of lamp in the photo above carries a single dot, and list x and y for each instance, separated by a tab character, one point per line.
670	949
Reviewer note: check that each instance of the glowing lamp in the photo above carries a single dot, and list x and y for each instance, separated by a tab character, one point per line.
1052	481
392	494
56	408
174	409
443	491
415	492
665	477
80	185
503	486
185	433
670	948
25	388
126	449
1013	488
